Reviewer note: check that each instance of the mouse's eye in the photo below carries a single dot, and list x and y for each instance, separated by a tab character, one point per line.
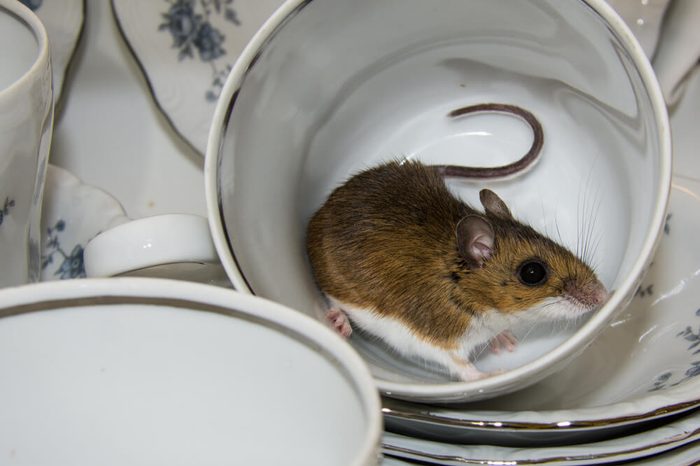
532	273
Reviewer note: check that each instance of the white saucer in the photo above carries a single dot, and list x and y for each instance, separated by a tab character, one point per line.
72	214
186	50
666	437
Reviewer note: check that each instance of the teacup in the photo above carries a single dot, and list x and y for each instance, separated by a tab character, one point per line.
26	122
144	371
175	246
327	88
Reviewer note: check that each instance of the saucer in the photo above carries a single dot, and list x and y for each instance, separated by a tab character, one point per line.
72	214
64	24
185	49
654	373
685	430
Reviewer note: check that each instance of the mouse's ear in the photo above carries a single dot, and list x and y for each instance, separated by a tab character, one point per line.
475	238
493	204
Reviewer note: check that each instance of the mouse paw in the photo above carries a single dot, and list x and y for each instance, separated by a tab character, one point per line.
505	340
465	370
339	321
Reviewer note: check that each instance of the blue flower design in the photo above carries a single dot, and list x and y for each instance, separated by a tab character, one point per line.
73	265
208	42
32	4
5	211
188	22
692	337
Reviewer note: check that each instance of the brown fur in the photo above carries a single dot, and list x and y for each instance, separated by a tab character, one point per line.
386	241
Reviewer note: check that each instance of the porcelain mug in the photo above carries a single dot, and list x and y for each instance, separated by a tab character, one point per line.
327	88
26	125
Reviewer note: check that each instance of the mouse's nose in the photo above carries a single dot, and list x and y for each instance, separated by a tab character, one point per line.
591	294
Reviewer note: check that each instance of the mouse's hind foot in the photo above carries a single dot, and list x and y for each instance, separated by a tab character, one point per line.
504	340
339	321
466	371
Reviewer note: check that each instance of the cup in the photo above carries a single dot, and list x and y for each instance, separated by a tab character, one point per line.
329	87
144	371
175	246
26	122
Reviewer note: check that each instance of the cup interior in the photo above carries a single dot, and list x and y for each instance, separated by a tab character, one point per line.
329	88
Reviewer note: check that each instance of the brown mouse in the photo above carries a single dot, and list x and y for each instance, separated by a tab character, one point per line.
395	251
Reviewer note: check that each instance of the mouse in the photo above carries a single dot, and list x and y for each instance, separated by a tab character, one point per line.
399	256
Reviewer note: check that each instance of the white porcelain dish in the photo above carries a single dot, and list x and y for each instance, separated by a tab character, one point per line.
145	371
621	449
185	50
333	117
72	214
597	395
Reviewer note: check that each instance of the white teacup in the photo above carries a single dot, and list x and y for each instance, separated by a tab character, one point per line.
142	372
329	87
26	125
176	246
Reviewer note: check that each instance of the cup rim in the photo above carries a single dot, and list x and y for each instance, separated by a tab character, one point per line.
37	27
48	296
545	363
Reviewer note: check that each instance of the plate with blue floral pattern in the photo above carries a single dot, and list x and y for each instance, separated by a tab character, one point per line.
72	214
185	49
64	22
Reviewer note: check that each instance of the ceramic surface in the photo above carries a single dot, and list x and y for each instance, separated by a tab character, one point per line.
686	455
178	245
159	372
26	124
633	447
72	214
129	151
185	49
333	117
658	334
644	18
64	25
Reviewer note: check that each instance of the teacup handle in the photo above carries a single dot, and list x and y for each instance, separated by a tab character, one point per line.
150	242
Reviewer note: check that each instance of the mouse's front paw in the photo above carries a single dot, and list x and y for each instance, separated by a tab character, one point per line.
339	321
503	340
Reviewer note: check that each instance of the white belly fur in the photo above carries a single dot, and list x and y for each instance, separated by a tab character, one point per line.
403	340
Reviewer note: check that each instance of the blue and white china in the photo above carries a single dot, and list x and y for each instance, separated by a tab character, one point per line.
26	125
86	233
110	134
321	92
186	49
72	214
64	22
143	372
